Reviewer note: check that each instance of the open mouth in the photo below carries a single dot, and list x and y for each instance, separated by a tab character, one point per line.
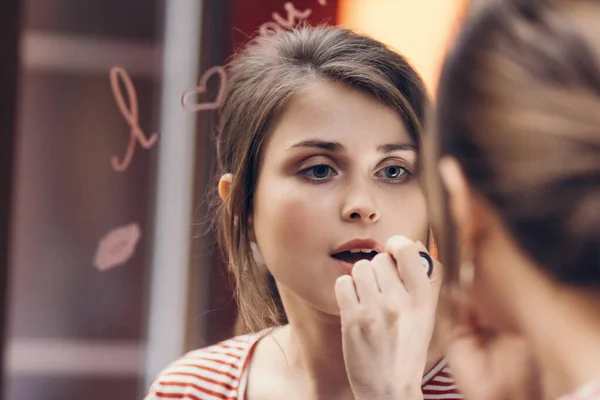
355	255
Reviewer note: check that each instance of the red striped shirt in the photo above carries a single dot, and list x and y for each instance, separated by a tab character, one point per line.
218	373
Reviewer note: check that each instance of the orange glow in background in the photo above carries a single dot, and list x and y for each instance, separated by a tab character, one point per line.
418	29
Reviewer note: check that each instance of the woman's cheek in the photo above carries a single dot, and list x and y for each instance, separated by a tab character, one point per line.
286	208
406	212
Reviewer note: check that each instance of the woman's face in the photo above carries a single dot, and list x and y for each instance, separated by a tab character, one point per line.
337	179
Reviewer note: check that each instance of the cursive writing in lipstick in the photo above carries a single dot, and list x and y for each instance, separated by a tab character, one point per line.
131	115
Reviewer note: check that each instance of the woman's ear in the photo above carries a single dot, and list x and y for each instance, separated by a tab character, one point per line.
459	197
469	211
224	191
225	185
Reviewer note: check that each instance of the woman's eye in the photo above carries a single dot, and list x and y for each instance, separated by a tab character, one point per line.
393	172
318	172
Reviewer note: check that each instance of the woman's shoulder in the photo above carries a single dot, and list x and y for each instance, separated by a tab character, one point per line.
213	372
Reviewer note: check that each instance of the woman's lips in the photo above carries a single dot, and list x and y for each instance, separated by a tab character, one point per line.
352	251
359	244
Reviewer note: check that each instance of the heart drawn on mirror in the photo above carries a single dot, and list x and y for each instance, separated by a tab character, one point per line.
201	88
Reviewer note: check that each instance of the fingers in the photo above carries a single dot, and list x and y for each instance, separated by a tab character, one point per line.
365	282
396	273
345	294
386	273
408	263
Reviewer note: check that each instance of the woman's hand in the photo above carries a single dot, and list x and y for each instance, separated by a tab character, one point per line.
388	309
485	363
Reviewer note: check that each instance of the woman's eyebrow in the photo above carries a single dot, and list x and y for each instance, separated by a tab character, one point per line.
335	147
391	147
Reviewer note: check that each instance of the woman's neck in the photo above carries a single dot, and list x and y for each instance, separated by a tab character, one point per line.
563	326
312	345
